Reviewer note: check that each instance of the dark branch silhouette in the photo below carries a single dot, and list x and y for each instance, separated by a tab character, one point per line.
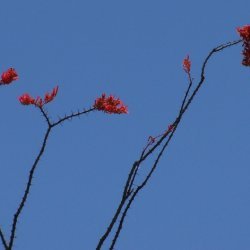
131	189
17	214
3	240
127	200
27	189
69	117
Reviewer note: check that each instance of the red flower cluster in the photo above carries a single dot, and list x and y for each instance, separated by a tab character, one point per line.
245	35
26	99
186	65
50	96
8	76
110	105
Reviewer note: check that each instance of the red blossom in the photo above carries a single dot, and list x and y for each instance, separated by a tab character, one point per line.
50	96
186	64
110	105
26	99
8	76
246	54
244	33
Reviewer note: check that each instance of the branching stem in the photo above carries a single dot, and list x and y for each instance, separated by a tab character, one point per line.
9	246
127	202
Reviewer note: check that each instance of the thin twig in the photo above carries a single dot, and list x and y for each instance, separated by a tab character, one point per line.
187	92
68	117
27	189
33	168
185	104
45	116
135	168
3	240
141	186
113	221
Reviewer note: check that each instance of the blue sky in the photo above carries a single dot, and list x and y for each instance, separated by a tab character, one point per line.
198	199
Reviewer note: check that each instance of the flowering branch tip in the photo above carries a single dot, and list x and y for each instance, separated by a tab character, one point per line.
244	33
110	105
187	64
26	99
9	76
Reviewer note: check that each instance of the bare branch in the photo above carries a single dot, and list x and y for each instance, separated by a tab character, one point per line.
187	92
45	116
27	189
68	117
131	178
3	240
32	171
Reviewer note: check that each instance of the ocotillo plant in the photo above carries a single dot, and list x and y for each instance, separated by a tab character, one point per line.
155	146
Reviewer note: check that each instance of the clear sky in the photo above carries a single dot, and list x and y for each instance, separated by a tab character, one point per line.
199	197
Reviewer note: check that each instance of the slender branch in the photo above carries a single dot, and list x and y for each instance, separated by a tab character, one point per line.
129	194
215	50
45	116
3	240
157	160
113	221
188	102
126	194
187	92
27	189
185	104
32	171
141	186
68	117
130	176
135	170
117	233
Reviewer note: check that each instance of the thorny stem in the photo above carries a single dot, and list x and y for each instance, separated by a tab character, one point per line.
27	189
45	116
188	102
8	246
128	191
69	117
131	177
